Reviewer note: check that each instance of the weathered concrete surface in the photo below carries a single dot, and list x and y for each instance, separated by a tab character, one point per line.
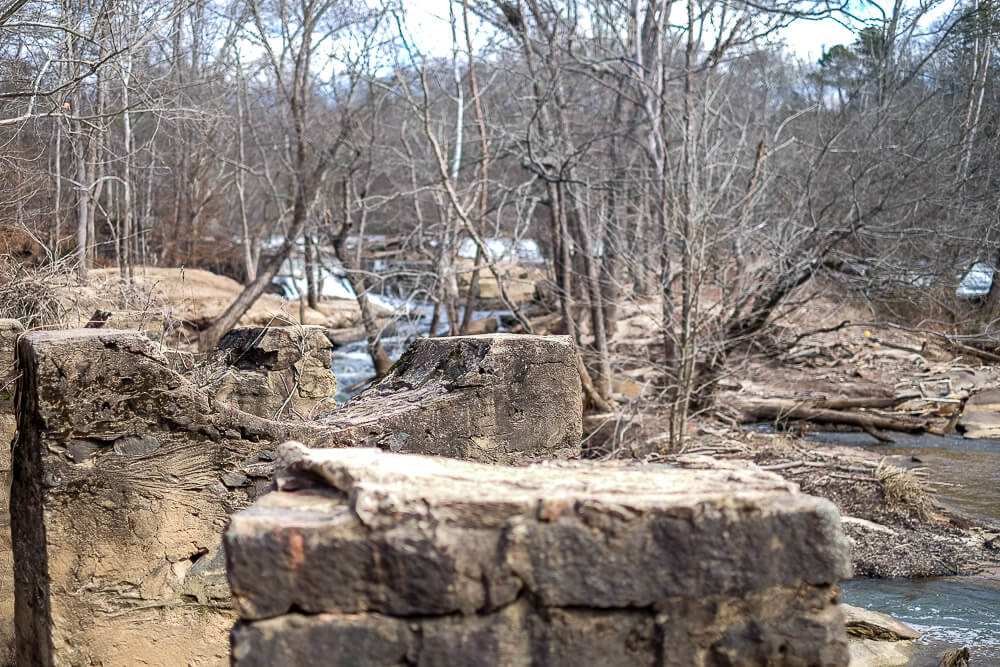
277	372
9	332
484	398
125	473
371	558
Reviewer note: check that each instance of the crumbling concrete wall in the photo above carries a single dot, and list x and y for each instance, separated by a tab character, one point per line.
9	332
496	399
368	558
125	473
277	372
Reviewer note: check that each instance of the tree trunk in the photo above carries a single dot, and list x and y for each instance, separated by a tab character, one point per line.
380	360
593	290
472	296
778	409
249	259
210	337
312	273
82	191
127	196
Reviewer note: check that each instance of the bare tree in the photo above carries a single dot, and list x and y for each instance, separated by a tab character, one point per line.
302	29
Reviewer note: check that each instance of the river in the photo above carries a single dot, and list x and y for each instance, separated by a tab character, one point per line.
951	612
968	468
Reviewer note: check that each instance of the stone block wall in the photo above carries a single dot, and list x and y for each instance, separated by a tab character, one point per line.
125	474
364	557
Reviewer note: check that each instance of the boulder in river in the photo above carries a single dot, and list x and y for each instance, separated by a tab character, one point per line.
870	624
877	639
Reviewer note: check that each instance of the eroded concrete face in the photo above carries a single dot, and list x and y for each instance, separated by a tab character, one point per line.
10	330
277	372
125	474
365	557
494	397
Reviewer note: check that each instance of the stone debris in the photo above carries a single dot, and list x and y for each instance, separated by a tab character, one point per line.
367	557
127	473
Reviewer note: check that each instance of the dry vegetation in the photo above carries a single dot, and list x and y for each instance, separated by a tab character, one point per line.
903	488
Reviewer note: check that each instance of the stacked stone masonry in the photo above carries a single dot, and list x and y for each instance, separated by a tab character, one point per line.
125	474
364	557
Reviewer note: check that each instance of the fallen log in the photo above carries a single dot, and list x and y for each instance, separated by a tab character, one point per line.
787	409
974	351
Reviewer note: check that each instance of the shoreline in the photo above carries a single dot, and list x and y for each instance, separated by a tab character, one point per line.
898	539
897	527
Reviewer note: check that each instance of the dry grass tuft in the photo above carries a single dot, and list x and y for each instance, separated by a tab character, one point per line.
904	489
31	294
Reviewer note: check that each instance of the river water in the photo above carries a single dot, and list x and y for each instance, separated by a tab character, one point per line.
970	468
951	612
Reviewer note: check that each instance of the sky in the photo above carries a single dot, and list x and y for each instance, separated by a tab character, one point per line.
428	21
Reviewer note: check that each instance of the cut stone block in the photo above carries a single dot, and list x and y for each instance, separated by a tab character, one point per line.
494	397
125	474
670	564
277	372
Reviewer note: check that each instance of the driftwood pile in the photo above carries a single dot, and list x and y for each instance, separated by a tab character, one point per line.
872	385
